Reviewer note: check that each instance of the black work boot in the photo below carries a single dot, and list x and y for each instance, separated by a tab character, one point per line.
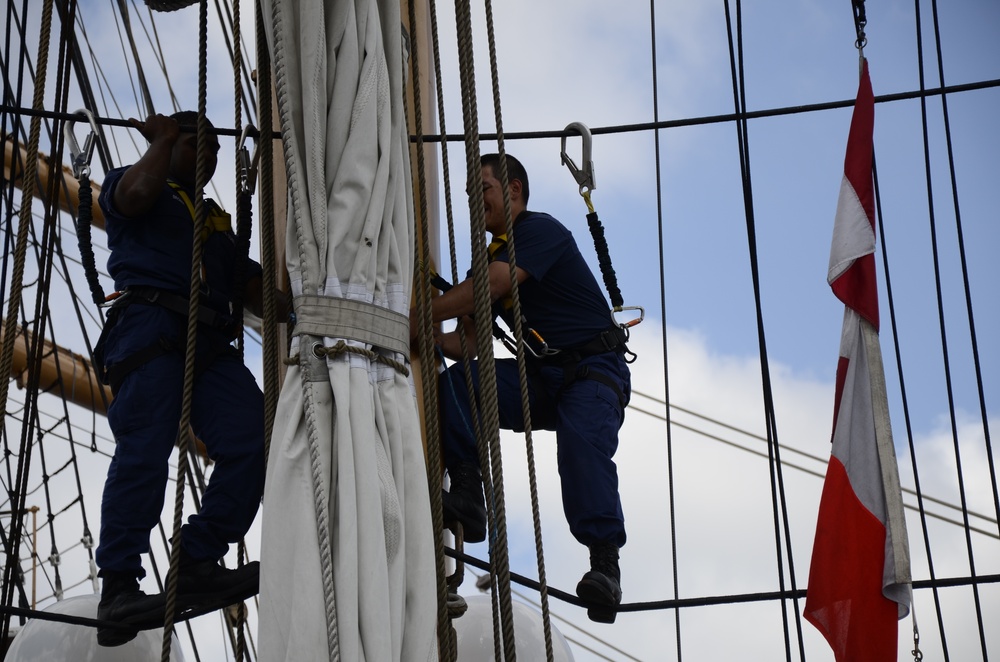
206	583
601	586
123	602
464	503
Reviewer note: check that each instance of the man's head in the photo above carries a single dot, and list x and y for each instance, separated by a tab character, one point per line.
184	158
517	177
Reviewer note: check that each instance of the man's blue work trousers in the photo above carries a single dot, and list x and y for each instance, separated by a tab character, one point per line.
585	414
227	414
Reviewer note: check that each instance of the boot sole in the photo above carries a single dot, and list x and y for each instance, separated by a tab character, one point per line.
597	595
110	638
190	605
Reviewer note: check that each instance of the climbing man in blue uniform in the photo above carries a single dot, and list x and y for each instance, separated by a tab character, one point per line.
579	388
149	212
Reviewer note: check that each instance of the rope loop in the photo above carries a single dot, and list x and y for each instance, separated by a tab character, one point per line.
321	352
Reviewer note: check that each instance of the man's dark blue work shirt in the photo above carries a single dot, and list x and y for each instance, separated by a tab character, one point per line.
154	250
562	300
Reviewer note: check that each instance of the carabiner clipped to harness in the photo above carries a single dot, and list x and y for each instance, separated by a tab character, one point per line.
632	322
81	157
248	163
584	177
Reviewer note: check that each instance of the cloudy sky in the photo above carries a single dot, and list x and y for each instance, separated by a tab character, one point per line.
580	62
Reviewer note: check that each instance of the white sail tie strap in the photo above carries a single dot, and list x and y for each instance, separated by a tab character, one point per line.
337	317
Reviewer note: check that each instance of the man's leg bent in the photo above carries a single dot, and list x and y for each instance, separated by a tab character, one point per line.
228	416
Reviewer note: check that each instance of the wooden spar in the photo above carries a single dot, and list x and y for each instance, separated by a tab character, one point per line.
63	373
69	197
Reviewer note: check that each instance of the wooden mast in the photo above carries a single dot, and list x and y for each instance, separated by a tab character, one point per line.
422	36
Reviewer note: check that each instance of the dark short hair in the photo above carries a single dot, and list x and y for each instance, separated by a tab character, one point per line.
514	170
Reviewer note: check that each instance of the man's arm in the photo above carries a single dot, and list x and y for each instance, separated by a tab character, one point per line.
253	299
142	183
459	302
451	344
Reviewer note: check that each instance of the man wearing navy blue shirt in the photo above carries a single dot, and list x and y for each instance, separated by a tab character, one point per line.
149	211
579	388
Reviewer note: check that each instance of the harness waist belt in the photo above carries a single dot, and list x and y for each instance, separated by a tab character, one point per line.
612	339
178	304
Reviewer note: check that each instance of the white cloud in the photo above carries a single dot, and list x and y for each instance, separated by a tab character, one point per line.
722	513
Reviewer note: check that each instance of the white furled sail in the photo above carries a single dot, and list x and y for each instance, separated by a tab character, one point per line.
347	556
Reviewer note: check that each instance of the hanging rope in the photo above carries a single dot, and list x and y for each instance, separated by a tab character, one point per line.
244	226
504	580
265	146
447	644
489	440
184	425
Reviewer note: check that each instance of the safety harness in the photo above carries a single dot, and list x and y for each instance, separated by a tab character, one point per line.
216	220
115	374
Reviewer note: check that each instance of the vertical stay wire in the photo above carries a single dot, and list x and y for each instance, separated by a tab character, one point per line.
69	16
779	506
161	60
229	22
663	333
965	266
143	87
906	413
905	403
946	361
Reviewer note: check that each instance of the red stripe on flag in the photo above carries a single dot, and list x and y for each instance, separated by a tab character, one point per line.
856	287
839	392
844	599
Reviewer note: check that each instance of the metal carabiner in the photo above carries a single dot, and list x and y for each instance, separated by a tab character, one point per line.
584	177
247	163
630	323
81	157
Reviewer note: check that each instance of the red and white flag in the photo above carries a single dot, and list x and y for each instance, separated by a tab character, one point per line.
859	578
